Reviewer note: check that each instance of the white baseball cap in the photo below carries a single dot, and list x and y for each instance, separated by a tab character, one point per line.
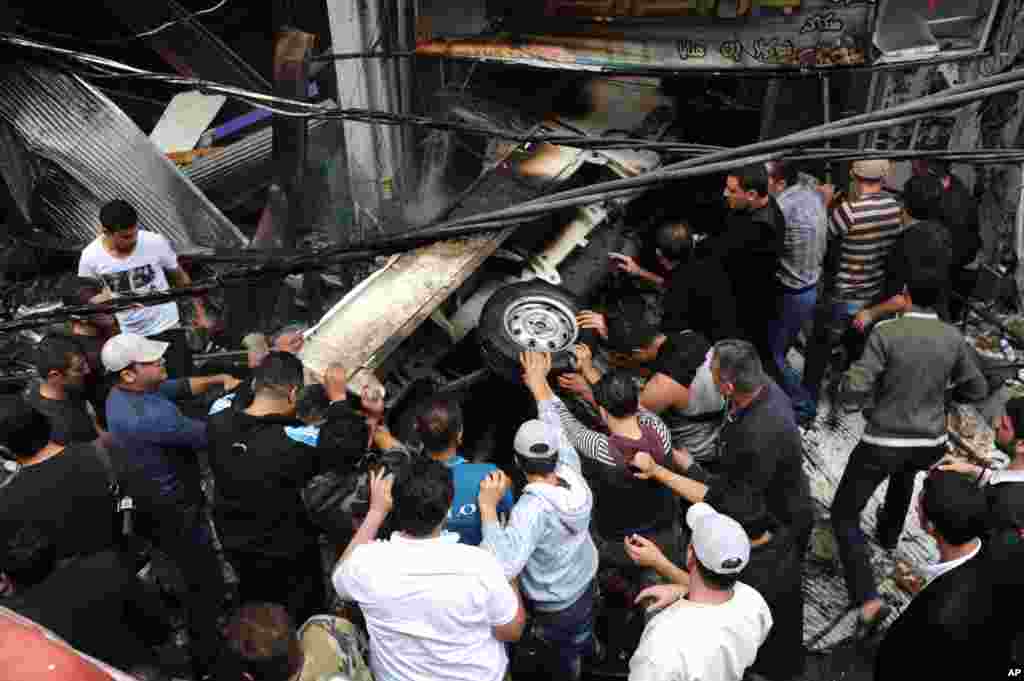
720	542
537	441
125	349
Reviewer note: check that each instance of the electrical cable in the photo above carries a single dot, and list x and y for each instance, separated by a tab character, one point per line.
706	163
296	108
117	41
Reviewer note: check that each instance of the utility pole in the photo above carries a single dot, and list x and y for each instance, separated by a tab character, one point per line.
374	151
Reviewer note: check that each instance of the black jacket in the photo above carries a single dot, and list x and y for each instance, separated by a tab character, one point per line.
761	446
260	466
964	620
100	607
923	246
700	298
960	214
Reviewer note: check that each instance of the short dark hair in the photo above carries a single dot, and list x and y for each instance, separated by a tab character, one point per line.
922	197
23	430
618	393
716	580
787	171
54	353
262	642
422	495
278	373
739	364
438	423
312	403
925	287
118	215
628	326
954	505
675	240
28	557
752	178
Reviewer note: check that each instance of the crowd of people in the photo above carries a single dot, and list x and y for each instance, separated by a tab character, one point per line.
669	460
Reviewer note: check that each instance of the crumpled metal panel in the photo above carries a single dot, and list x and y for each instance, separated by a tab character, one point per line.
84	151
230	176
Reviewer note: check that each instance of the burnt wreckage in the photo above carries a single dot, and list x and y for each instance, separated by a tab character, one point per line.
537	217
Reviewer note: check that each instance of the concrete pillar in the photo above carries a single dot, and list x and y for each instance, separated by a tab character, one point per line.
374	151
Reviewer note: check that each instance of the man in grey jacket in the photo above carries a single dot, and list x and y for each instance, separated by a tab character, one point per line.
906	367
547	542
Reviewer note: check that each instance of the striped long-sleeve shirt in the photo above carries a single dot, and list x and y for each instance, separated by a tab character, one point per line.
594	445
865	231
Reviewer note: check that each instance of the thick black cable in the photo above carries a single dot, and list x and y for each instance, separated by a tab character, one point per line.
723	160
306	109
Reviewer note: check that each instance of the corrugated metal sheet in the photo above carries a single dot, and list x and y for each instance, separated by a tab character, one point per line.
83	151
239	169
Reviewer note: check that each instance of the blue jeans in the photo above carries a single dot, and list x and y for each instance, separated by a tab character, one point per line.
832	319
569	635
795	309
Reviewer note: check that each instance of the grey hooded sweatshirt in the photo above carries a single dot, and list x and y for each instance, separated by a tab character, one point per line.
547	538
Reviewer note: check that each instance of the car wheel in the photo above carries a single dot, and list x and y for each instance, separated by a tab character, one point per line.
529	315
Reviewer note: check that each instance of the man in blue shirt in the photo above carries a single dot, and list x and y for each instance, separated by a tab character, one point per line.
154	451
145	423
439	426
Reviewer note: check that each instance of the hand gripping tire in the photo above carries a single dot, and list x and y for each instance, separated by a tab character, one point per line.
529	315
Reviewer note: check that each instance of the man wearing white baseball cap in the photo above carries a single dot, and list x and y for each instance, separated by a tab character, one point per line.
712	627
154	449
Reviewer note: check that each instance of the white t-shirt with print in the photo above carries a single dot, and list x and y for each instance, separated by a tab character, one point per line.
141	272
430	605
707	642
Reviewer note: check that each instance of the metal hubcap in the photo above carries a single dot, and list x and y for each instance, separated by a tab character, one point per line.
541	324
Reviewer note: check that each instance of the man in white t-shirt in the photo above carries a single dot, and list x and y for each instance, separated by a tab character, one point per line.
134	262
714	624
436	610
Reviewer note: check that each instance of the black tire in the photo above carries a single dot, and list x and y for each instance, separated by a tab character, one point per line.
554	310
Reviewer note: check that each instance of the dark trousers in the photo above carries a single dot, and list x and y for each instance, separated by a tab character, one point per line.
296	582
178	355
963	282
869	465
568	636
831	326
176	527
